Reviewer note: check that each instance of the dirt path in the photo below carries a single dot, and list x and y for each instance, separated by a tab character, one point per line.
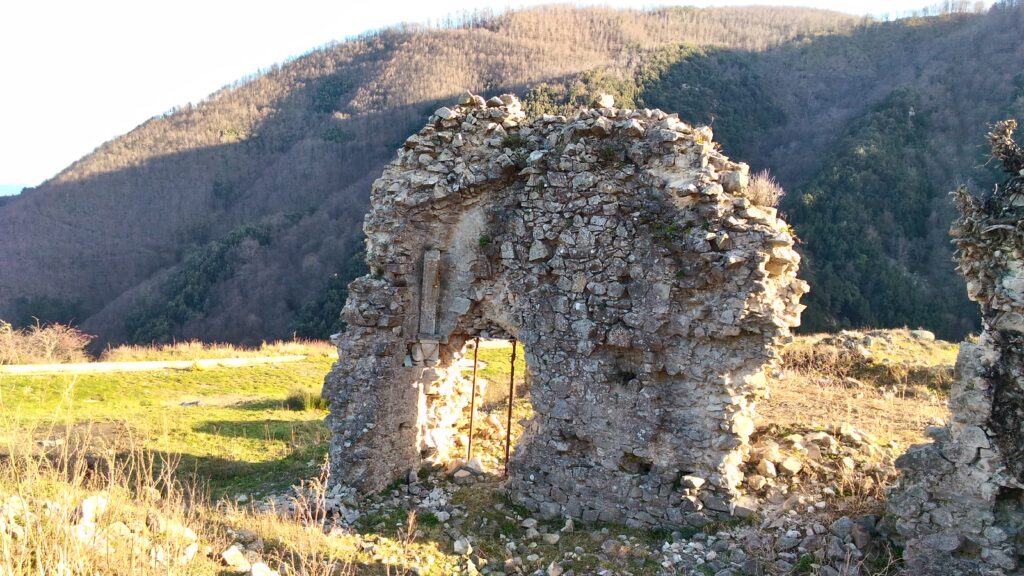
100	367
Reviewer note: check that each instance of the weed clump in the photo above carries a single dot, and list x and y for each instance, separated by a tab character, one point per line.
304	400
763	190
513	141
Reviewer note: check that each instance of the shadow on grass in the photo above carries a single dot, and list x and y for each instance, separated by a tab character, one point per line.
260	405
227	477
290	431
307	447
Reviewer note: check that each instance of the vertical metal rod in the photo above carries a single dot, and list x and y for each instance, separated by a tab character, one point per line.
511	399
472	399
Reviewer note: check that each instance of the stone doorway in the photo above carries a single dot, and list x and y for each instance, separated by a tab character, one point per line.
491	426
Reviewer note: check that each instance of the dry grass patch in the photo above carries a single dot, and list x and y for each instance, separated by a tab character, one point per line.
120	512
125	511
894	360
194	350
797	399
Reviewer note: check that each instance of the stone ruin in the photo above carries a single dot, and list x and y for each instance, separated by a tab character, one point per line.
618	246
960	503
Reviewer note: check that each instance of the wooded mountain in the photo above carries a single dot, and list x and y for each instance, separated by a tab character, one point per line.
238	219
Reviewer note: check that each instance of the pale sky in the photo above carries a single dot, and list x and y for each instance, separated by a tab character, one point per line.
80	72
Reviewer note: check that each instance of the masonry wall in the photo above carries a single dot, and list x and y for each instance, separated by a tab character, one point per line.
618	246
960	504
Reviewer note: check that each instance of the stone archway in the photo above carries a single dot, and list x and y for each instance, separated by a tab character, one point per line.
618	246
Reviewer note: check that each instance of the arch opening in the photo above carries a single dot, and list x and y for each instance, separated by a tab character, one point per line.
648	293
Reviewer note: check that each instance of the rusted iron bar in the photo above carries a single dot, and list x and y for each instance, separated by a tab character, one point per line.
472	399
511	399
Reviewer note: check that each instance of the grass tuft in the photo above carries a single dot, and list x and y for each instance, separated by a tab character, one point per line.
304	399
763	190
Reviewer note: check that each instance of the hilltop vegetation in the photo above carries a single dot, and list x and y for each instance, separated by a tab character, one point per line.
238	219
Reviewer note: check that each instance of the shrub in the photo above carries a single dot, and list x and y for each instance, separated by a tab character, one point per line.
303	399
820	359
514	141
764	190
428	519
42	344
609	155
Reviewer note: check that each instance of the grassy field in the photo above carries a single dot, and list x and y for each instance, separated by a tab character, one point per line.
885	382
228	425
495	368
228	432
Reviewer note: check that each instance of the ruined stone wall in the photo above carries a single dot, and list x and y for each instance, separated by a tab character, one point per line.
618	247
960	504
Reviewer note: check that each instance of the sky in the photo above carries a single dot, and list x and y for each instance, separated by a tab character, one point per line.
78	73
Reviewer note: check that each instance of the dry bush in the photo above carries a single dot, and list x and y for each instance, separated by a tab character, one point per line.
8	344
820	360
42	344
763	190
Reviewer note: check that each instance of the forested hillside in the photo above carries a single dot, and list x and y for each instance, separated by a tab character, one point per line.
238	218
868	131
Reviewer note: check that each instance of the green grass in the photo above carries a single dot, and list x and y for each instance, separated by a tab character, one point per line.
804	565
240	436
496	368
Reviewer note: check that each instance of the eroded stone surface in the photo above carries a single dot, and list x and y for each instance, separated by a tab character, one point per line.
960	504
649	300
